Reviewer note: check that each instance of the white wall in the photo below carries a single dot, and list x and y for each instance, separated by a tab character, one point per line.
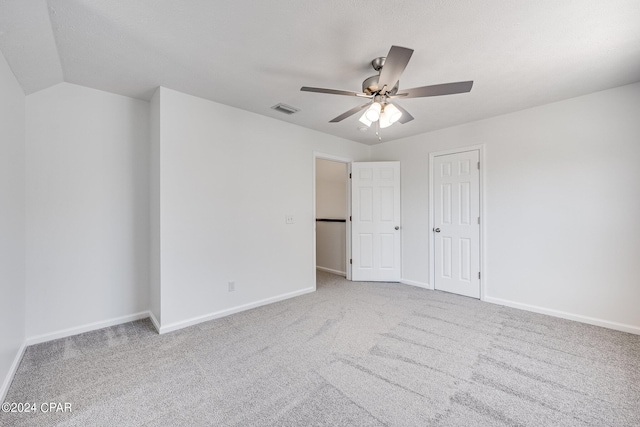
155	290
87	209
12	224
228	178
331	202
331	189
562	205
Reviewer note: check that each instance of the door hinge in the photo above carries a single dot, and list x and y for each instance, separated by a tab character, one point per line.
350	218
478	220
478	274
478	165
349	175
350	260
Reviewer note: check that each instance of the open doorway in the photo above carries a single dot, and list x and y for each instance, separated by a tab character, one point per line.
332	207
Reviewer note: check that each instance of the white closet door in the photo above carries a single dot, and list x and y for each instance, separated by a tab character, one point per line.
456	230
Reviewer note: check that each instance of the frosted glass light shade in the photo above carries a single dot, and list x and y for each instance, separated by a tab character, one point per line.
384	120
363	119
373	113
392	112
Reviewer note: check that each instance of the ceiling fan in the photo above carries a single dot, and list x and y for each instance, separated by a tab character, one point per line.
383	88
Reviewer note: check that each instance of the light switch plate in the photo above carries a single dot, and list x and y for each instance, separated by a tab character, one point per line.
288	219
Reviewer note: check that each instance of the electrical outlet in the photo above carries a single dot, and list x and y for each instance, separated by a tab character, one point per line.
288	219
232	286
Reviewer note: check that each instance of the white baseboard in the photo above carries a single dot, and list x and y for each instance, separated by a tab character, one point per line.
331	270
86	328
564	315
155	322
414	283
12	372
222	313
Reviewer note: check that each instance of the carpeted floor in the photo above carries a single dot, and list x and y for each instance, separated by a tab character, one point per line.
360	354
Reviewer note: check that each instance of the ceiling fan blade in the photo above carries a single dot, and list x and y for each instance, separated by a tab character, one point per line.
349	113
406	117
333	91
436	90
394	65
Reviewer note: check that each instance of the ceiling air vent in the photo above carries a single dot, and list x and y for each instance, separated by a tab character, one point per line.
286	109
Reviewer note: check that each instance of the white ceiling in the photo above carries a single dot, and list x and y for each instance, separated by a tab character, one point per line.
254	54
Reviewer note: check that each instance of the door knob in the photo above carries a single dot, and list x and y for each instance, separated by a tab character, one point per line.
437	230
397	228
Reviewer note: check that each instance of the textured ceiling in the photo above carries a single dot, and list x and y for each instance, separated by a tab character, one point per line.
254	54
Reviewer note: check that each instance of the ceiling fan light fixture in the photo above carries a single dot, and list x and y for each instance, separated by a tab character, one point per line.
373	113
363	119
392	112
383	88
384	120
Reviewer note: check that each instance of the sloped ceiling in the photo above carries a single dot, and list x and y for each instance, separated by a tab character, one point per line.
254	54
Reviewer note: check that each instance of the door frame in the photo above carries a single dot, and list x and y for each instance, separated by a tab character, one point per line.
347	161
483	215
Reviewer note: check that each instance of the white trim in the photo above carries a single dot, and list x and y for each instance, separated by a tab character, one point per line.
347	233
86	328
483	215
564	315
155	322
12	372
331	270
484	250
222	313
417	284
319	155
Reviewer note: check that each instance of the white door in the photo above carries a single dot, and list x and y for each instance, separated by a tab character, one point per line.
456	231
375	228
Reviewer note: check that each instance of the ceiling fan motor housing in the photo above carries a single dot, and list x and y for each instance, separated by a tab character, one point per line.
370	86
